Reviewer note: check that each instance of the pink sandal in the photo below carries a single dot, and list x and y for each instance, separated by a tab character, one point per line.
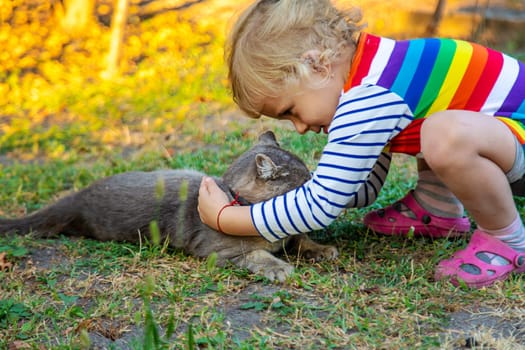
390	221
480	273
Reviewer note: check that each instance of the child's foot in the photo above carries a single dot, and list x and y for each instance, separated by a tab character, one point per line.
484	261
406	215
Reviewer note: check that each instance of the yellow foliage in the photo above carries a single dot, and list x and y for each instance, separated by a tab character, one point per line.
134	46
183	112
6	10
57	152
54	42
110	136
103	9
27	61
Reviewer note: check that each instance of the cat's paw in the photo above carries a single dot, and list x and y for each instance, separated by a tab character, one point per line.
321	253
261	262
277	272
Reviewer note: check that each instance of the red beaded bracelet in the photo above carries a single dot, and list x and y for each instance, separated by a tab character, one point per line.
235	201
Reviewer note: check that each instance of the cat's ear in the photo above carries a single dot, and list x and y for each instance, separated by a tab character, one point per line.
266	168
268	138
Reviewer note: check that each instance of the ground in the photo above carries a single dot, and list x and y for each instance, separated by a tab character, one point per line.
471	326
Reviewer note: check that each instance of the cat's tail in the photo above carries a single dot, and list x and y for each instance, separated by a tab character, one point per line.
46	222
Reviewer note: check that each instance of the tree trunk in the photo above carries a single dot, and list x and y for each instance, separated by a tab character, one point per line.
433	26
79	14
118	24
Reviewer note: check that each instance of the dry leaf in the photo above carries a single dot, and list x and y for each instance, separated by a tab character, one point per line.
4	264
17	345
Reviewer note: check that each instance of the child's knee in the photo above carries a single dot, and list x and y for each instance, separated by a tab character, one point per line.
444	140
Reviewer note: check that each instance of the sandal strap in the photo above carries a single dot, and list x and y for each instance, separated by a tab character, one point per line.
483	242
392	221
519	261
410	202
423	215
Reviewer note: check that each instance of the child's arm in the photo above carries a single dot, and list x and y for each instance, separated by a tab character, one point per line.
237	221
367	118
233	220
368	192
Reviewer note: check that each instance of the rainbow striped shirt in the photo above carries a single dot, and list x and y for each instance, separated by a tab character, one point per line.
438	74
392	87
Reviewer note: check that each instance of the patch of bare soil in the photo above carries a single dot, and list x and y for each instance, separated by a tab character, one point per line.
240	321
474	326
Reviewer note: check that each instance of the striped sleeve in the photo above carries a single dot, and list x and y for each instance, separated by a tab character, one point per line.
367	118
368	192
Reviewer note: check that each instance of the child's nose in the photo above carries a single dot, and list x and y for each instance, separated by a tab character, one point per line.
301	127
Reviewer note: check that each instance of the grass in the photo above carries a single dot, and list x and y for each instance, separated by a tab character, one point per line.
379	291
65	128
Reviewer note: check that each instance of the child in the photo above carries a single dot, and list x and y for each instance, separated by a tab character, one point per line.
457	106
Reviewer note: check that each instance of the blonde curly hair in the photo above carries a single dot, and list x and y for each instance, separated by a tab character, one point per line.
266	49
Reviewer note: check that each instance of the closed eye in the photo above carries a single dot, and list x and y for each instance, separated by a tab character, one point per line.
285	113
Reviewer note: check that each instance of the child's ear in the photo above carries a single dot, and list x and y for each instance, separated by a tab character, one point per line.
313	59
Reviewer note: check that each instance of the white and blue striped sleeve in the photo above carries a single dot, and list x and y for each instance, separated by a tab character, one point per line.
369	191
367	118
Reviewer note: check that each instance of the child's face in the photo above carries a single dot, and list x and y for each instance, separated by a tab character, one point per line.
308	106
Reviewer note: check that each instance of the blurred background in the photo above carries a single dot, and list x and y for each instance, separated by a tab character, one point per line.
86	77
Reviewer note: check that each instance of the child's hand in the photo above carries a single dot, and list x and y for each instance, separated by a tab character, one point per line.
211	200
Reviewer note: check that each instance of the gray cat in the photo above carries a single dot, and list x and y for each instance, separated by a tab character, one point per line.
122	207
